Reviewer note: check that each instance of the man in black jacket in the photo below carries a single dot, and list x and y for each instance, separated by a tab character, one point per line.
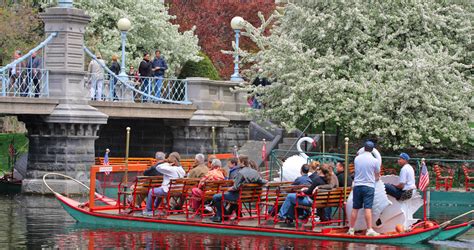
160	159
245	175
145	71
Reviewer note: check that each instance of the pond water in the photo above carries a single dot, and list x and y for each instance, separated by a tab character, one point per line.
39	222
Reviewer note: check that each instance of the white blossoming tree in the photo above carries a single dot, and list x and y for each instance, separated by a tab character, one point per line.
151	30
397	71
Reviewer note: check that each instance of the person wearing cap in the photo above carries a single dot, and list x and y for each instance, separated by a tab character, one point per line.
404	189
367	171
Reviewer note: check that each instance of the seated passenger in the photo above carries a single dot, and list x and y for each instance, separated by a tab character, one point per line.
151	171
244	176
304	178
216	174
324	181
404	189
241	162
201	168
177	158
314	170
340	175
160	159
231	164
169	172
210	158
253	164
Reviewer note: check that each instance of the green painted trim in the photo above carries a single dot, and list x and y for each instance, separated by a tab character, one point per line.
153	225
453	233
452	198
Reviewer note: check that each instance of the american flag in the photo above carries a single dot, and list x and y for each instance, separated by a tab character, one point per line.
106	159
236	152
424	177
264	150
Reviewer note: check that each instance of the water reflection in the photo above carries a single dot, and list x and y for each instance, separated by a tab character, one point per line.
40	222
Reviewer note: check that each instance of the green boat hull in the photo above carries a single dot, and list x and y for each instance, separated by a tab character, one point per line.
450	233
108	220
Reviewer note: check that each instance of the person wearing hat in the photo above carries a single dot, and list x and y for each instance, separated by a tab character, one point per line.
367	170
404	189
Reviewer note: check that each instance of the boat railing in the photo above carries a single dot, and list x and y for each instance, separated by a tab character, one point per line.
106	179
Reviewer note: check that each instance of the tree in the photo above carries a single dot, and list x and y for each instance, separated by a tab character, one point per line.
20	29
212	21
151	30
397	71
203	68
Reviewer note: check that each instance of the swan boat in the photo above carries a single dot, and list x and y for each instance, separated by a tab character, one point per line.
111	214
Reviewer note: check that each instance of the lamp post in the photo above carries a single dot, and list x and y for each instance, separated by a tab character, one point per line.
123	25
237	24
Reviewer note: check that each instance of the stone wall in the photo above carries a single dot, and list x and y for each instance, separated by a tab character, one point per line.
64	148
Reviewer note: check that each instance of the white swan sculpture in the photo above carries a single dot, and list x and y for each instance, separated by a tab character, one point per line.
387	212
292	166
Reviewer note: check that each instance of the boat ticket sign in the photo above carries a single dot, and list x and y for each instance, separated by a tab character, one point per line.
105	169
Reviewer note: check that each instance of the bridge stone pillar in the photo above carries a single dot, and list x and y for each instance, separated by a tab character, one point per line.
63	141
217	107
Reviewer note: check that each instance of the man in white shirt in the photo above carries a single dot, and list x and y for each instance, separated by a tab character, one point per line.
367	171
406	184
169	172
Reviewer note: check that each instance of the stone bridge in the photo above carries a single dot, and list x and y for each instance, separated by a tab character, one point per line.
67	130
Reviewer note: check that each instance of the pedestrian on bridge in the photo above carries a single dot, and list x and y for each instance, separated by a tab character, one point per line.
145	72
96	77
159	67
115	68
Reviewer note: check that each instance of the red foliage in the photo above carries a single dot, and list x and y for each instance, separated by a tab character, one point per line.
212	21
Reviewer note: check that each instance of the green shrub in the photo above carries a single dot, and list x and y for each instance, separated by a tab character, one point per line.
19	142
203	68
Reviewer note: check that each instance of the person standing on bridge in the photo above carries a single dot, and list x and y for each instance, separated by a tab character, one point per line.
145	72
96	77
15	74
159	67
115	68
34	74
